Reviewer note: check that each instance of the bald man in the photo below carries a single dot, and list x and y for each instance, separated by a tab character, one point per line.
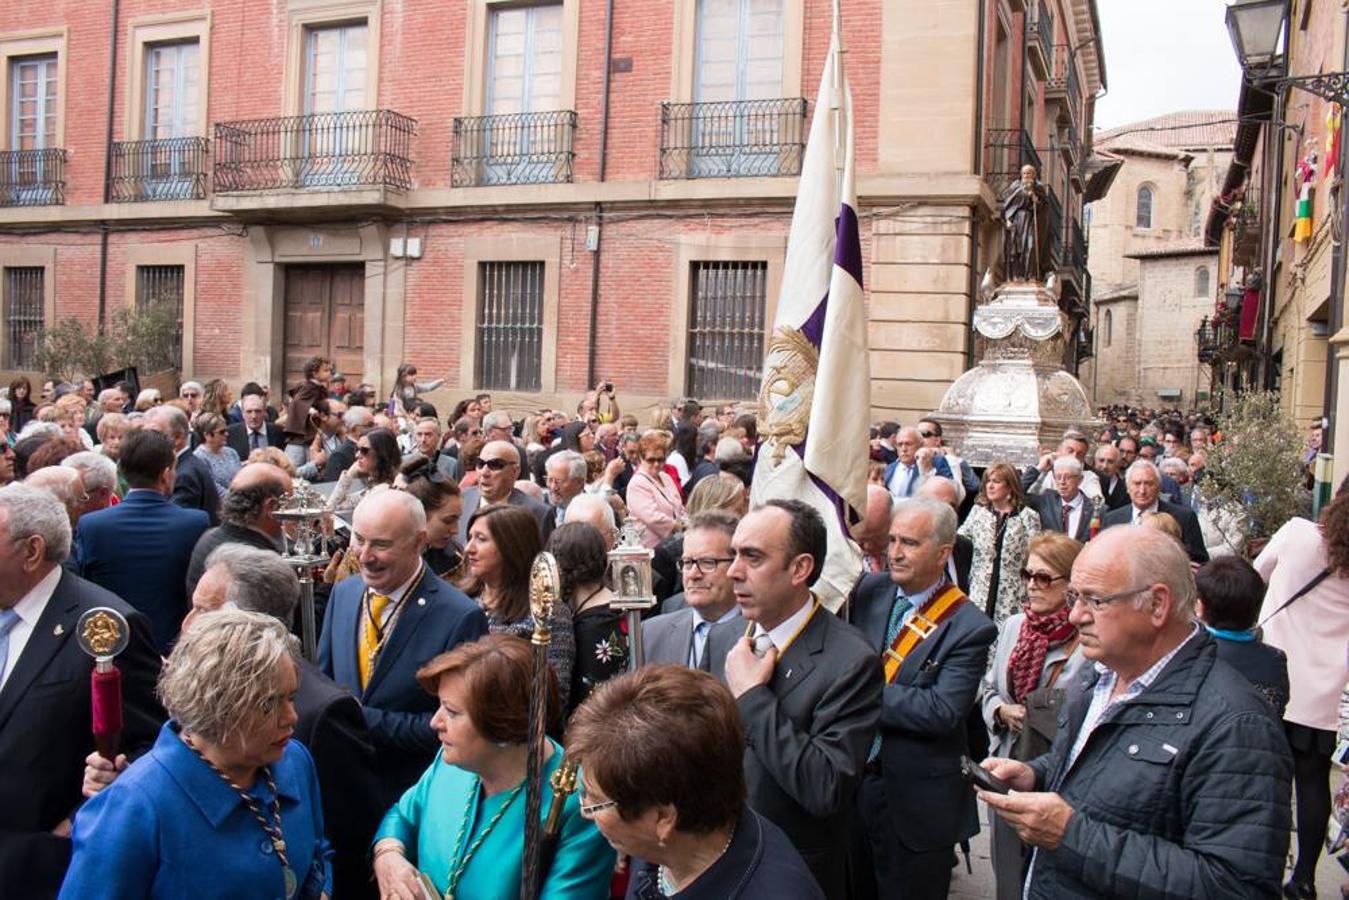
873	532
381	627
67	485
498	470
944	490
247	516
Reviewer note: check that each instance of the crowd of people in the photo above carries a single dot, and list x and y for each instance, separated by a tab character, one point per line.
1012	637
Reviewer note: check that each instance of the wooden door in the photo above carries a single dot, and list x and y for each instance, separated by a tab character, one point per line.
325	316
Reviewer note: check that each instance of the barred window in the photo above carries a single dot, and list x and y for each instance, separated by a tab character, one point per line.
510	326
23	306
726	329
157	285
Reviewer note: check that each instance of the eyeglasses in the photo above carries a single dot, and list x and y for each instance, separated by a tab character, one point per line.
588	810
655	460
928	434
362	451
592	421
1098	604
706	564
189	395
1041	580
475	432
496	465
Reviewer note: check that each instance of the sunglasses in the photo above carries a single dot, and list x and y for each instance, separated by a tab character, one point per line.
655	460
362	451
928	434
496	465
1041	580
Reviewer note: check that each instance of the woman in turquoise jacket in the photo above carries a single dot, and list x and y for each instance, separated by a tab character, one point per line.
461	826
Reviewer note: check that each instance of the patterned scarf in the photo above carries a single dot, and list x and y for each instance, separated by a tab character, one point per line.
1038	634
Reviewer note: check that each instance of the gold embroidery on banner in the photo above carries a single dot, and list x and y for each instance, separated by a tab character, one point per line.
789	385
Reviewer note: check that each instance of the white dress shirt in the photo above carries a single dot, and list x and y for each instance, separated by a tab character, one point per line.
787	628
30	608
1137	514
1078	505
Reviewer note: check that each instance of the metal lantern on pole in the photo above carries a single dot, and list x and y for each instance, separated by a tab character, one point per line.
306	545
1255	27
630	576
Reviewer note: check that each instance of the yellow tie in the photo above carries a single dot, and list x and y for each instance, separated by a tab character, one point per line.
370	636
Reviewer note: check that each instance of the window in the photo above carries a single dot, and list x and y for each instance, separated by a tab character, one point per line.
1086	215
1196	216
335	69
522	143
739	50
1201	281
32	94
172	90
158	286
23	310
1107	327
1143	217
510	326
726	329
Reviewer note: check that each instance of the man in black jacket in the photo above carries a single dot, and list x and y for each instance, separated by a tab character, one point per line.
247	516
193	486
1145	486
1147	791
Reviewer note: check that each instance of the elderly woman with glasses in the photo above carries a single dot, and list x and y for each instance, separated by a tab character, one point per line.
661	754
220	458
653	498
1035	658
458	829
225	804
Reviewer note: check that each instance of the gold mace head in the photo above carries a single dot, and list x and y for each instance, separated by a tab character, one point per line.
545	591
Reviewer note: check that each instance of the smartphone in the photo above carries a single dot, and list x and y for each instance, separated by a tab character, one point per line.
981	779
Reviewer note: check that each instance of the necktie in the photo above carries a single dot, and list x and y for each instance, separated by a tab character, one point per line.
698	652
902	605
256	441
763	642
370	636
1067	517
910	479
8	619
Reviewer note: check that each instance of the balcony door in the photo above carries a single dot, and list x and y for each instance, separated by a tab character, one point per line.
335	137
171	163
32	130
739	47
524	77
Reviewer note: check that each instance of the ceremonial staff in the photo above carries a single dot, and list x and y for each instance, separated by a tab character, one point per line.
544	593
630	575
103	633
306	545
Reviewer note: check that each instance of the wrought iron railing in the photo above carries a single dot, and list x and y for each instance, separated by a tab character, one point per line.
1040	32
733	138
1006	151
1063	81
522	148
359	148
168	169
32	177
1216	338
1077	246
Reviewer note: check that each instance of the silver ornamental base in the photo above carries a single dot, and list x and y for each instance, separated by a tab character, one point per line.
1018	401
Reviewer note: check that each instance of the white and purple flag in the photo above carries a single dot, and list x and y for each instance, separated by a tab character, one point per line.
816	397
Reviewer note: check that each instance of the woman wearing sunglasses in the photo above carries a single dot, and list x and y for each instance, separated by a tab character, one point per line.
377	462
1036	655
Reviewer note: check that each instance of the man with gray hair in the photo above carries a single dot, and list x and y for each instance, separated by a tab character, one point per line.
497	426
1067	509
1144	481
100	478
913	805
596	511
45	689
426	445
566	480
356	421
247	517
65	485
1170	776
193	486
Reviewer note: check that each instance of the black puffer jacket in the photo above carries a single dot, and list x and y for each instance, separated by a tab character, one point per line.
1183	792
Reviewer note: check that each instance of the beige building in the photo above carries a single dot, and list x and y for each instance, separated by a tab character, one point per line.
1152	278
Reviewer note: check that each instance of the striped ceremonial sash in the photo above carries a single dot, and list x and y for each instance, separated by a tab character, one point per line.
919	627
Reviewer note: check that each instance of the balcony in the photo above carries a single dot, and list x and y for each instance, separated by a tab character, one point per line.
170	169
32	177
1062	86
732	139
1216	338
1005	152
522	148
348	160
1039	37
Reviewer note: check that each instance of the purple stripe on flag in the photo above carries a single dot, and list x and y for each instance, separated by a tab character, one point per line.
813	328
848	244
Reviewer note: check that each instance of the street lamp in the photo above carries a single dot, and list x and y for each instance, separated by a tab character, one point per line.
1255	27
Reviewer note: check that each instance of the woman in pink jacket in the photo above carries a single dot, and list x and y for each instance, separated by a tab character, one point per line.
653	497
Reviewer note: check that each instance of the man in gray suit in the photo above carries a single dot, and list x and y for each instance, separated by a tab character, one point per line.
498	468
807	684
681	637
914	806
1067	509
426	433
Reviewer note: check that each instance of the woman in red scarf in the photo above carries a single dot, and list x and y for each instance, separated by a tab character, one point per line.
1036	658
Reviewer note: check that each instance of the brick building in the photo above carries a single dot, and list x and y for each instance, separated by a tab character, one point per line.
525	199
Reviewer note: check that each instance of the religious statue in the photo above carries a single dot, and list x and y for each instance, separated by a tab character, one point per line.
1026	223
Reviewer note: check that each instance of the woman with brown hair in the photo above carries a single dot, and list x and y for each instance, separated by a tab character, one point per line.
217	398
1000	526
601	638
502	544
459	827
21	399
444	504
653	497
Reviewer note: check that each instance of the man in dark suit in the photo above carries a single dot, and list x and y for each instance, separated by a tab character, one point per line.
44	690
247	516
193	486
681	637
140	548
1107	467
382	627
1066	509
1145	484
914	806
807	685
498	469
254	432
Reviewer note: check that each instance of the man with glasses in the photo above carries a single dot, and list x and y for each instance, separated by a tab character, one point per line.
1149	790
497	426
498	470
1066	509
961	472
190	393
913	806
681	637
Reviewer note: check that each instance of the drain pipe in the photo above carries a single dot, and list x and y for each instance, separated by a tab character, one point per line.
592	375
107	173
976	163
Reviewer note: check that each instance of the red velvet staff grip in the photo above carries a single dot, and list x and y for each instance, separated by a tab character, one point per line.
106	695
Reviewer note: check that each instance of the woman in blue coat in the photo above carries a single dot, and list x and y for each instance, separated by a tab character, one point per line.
225	805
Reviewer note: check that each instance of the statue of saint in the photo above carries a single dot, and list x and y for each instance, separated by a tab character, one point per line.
1025	222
